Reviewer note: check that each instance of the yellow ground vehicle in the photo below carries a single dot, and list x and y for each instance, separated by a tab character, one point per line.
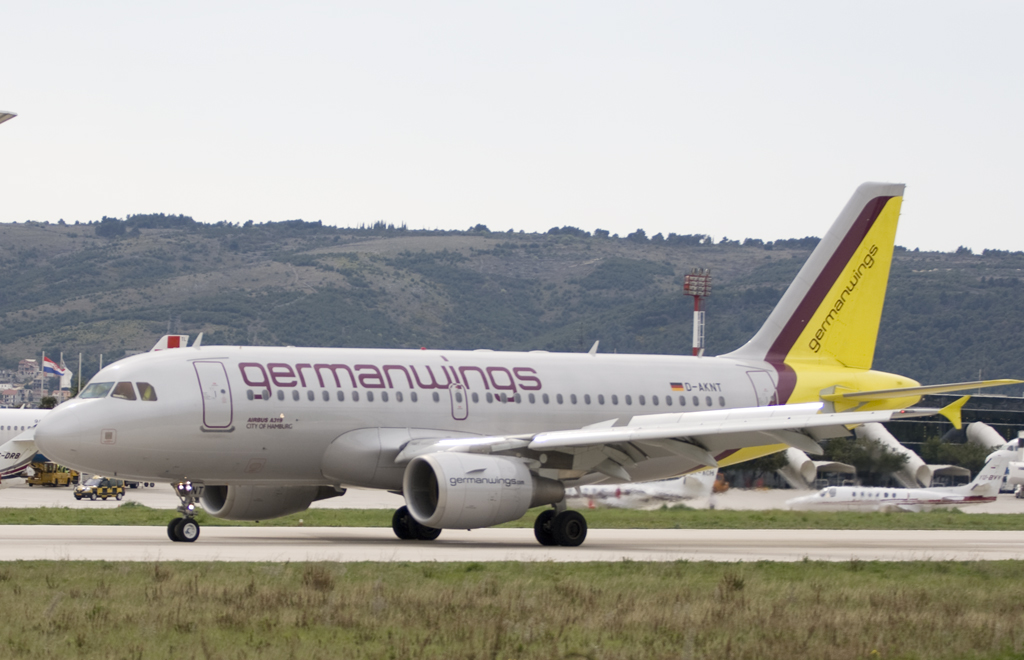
100	488
51	474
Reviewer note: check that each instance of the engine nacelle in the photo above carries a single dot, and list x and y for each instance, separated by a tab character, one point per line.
261	502
464	491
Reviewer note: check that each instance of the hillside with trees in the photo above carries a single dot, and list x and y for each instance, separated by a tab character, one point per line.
116	285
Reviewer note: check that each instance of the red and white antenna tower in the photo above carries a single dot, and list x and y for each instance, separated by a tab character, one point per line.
698	284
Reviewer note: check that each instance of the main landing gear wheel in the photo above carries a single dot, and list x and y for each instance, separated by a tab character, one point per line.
568	528
408	529
542	528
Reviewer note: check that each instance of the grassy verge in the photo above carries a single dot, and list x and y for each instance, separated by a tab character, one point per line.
511	610
678	518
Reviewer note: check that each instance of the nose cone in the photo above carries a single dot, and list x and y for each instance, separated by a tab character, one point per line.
59	435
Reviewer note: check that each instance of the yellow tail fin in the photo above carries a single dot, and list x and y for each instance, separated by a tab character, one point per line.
828	317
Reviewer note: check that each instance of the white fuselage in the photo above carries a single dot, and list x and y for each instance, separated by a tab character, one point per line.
235	415
15	421
856	498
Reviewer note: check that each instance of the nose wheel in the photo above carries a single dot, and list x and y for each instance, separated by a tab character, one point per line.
185	529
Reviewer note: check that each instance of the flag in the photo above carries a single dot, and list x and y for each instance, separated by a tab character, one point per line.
52	368
67	376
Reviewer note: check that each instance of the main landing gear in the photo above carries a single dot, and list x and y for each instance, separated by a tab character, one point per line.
407	529
185	529
554	527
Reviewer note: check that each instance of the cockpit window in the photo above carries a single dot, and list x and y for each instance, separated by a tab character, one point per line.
124	391
95	391
146	392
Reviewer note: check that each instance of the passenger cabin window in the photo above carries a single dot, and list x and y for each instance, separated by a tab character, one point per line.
615	399
96	391
124	391
533	399
586	399
436	397
546	399
643	401
146	392
600	399
559	398
629	400
721	401
572	397
696	402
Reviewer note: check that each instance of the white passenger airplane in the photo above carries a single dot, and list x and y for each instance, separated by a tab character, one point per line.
984	488
476	438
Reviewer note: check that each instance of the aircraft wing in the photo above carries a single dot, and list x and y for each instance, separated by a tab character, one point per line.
704	438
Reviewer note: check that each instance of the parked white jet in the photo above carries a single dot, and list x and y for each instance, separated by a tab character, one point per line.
695	485
984	488
476	438
17	442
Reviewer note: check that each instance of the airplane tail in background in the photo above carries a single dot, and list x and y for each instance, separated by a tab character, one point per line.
989	478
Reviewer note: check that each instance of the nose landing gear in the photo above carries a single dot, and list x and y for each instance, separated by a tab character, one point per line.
185	529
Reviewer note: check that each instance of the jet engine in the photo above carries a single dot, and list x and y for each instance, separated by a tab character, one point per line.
261	502
464	491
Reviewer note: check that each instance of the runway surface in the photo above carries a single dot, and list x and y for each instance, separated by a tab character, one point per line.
344	544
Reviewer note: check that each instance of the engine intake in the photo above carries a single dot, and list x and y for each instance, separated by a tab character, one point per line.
464	491
261	502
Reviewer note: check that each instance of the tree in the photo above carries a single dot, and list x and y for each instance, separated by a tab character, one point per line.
966	455
874	461
760	466
48	402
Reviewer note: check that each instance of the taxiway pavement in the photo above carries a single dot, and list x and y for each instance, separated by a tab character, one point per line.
344	544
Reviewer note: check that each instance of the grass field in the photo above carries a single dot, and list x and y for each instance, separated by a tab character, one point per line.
511	610
674	518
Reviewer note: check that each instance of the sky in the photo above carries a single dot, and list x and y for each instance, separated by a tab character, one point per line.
734	119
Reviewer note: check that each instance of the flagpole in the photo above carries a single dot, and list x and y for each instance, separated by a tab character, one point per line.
42	379
79	372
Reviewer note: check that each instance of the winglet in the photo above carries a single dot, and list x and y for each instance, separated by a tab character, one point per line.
952	411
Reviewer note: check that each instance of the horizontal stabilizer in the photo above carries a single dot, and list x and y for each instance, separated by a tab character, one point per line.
900	392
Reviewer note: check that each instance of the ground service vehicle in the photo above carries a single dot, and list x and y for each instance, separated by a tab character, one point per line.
51	474
100	488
